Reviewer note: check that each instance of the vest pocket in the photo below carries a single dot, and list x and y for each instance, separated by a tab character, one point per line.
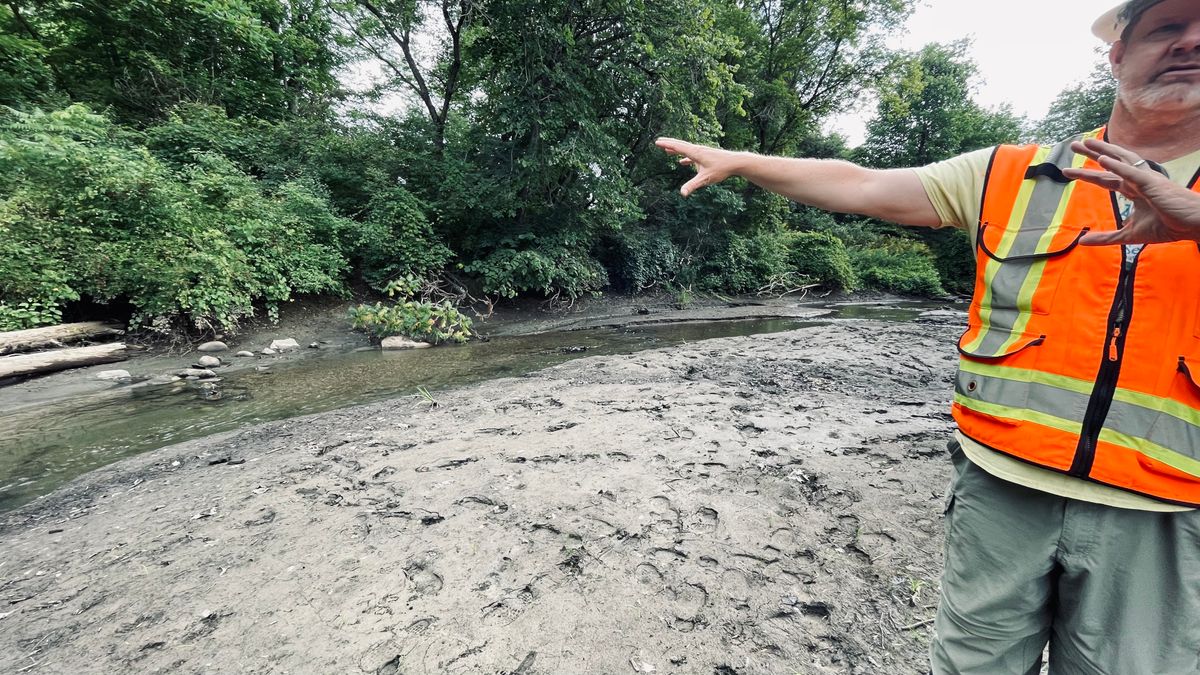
991	343
1022	269
984	383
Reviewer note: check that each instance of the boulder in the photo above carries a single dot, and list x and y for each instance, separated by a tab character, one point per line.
209	362
114	375
268	352
398	342
245	354
213	346
281	345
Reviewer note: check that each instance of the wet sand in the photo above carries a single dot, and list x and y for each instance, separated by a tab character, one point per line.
768	504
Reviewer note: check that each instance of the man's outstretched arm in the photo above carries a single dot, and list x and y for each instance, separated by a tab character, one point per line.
895	195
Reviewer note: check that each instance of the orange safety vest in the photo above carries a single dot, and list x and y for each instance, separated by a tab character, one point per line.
1075	359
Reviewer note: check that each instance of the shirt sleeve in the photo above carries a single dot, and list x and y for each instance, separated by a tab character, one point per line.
955	187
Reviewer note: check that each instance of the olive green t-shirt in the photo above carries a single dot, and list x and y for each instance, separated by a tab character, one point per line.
955	187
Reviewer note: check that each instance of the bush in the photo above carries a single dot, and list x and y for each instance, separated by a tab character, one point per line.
413	318
953	257
898	266
87	211
742	264
397	240
821	257
549	269
642	260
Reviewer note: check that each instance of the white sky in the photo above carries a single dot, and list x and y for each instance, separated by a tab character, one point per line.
1027	50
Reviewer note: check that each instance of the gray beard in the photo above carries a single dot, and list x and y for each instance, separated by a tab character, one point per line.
1157	99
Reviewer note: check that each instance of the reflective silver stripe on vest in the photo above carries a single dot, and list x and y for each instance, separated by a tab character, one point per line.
1010	292
1137	422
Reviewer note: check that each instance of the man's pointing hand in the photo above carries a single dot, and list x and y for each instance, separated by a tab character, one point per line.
712	165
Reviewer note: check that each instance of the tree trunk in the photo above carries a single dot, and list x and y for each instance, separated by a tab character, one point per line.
60	359
54	336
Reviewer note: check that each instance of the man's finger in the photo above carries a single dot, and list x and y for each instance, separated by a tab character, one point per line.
673	145
694	184
1142	177
687	161
1105	179
1106	238
1096	148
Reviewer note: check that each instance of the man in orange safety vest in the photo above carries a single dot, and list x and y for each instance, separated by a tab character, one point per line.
1072	517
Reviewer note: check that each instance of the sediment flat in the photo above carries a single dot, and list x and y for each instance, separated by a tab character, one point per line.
764	504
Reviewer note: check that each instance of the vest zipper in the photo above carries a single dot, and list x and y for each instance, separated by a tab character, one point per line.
1110	368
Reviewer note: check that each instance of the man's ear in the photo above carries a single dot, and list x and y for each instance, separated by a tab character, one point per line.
1116	54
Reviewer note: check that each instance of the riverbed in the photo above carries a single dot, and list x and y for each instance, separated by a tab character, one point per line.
755	504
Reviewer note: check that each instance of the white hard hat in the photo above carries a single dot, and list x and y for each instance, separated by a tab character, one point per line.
1110	26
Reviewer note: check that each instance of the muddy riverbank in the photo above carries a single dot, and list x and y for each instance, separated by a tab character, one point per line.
764	504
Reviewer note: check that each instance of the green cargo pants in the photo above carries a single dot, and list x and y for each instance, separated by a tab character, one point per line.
1113	591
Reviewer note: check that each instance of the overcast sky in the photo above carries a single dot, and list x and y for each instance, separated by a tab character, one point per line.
1027	50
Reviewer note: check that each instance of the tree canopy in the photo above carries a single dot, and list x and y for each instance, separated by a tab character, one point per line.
191	162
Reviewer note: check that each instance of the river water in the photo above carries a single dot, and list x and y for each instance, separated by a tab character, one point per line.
43	447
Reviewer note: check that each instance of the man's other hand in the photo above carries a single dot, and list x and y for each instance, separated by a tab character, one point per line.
712	165
1163	210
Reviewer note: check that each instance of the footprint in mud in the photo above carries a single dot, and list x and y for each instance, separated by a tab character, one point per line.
735	584
667	520
704	521
422	579
687	601
506	610
649	576
783	539
419	626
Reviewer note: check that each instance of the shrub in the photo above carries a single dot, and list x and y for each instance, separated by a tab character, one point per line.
397	240
411	317
742	264
550	269
821	257
898	266
642	260
87	211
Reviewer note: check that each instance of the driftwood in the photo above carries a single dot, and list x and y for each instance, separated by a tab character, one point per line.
54	336
60	359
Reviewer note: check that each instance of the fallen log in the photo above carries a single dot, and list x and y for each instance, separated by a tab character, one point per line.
41	363
54	336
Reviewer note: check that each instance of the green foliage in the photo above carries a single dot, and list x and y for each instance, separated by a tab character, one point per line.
261	58
396	239
640	259
411	317
897	265
550	270
87	211
804	60
743	264
1080	107
953	257
926	114
821	257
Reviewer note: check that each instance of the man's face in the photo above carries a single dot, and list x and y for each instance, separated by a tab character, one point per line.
1158	64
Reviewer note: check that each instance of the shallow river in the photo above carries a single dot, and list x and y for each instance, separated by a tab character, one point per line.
45	446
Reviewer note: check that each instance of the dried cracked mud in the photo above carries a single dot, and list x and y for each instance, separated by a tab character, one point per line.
767	504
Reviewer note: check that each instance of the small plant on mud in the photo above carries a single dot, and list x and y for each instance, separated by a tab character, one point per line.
424	395
424	320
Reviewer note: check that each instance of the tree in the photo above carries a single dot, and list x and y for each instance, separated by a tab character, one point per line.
263	58
802	61
391	31
1079	108
926	114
